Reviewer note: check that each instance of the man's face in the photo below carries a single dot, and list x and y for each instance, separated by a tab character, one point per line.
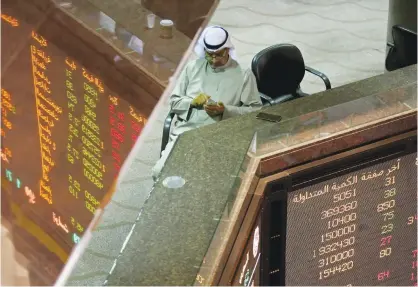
218	58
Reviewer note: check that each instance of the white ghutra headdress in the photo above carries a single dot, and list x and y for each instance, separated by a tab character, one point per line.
213	39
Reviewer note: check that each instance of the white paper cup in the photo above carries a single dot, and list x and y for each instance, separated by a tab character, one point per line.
150	20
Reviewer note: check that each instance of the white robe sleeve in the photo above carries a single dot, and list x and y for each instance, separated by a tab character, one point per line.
249	98
179	102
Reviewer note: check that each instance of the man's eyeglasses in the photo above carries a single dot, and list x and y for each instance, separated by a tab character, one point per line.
219	54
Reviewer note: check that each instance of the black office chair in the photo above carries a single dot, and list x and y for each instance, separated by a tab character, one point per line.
279	70
403	50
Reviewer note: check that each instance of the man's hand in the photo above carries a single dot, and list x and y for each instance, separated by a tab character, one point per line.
200	100
215	110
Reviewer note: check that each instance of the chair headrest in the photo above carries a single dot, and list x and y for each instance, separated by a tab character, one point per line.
279	69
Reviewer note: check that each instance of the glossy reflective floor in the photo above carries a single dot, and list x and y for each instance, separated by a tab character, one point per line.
13	269
346	40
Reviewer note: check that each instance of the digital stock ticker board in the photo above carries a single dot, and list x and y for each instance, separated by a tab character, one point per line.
346	224
64	135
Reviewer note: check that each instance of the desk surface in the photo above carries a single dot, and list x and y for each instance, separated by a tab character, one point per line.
176	226
123	25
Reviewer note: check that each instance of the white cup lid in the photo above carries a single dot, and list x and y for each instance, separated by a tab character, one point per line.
166	22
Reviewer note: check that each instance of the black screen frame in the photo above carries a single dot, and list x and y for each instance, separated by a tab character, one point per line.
276	192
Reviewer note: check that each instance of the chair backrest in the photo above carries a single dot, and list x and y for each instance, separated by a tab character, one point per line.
279	70
404	50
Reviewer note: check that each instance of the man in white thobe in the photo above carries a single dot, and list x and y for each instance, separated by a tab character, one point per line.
210	89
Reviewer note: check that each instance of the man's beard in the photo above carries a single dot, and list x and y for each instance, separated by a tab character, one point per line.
216	64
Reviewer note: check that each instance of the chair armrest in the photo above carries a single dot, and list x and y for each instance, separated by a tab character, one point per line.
283	98
321	75
166	130
264	98
280	99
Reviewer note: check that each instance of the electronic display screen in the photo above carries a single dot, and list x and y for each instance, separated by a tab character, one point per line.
358	227
65	133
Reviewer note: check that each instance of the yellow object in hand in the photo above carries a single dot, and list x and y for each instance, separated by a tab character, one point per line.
200	100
